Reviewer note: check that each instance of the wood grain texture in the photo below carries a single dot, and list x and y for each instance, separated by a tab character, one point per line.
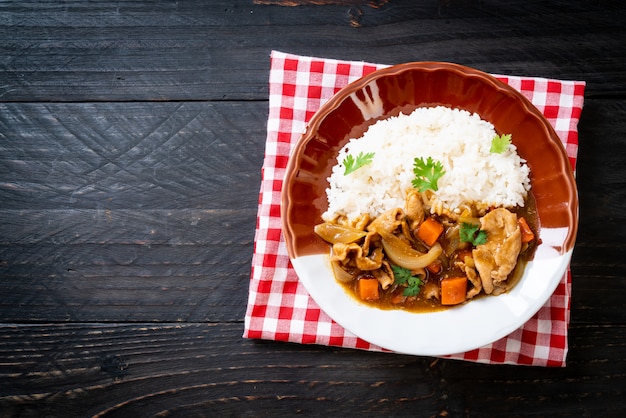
131	155
140	212
132	136
597	262
197	50
202	369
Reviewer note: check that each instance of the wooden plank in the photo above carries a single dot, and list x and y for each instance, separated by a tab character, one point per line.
126	266
592	373
143	367
131	155
598	264
128	211
130	227
189	369
196	51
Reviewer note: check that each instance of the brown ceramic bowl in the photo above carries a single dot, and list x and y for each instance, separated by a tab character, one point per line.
402	88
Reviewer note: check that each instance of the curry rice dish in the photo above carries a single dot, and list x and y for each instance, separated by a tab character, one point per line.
429	210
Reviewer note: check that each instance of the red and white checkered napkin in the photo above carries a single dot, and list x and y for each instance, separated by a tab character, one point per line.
279	307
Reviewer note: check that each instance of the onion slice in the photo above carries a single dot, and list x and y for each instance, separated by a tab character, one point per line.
405	256
340	274
334	233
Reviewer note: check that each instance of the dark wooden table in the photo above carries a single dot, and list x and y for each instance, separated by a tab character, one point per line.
131	141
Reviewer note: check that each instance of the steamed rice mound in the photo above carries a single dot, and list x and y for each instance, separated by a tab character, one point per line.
458	139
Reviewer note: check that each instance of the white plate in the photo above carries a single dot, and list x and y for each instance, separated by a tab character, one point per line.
455	330
382	94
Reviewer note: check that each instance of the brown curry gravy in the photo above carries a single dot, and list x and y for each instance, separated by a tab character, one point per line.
420	304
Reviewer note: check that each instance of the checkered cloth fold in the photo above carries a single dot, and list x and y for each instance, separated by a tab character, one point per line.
279	307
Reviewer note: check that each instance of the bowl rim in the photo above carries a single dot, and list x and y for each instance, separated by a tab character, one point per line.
524	294
427	66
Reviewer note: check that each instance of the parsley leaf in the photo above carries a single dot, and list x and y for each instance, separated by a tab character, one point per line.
427	173
351	164
404	277
500	143
414	286
471	233
401	274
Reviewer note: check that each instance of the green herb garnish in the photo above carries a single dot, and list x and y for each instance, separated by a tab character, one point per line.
351	164
473	234
500	143
427	173
405	278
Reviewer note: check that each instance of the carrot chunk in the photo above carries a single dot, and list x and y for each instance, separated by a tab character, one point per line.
429	231
527	233
368	289
453	290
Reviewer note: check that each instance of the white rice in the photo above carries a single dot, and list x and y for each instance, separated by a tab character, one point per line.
458	139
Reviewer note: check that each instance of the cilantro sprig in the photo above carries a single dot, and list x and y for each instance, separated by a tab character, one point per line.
500	143
352	164
404	277
427	174
472	233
